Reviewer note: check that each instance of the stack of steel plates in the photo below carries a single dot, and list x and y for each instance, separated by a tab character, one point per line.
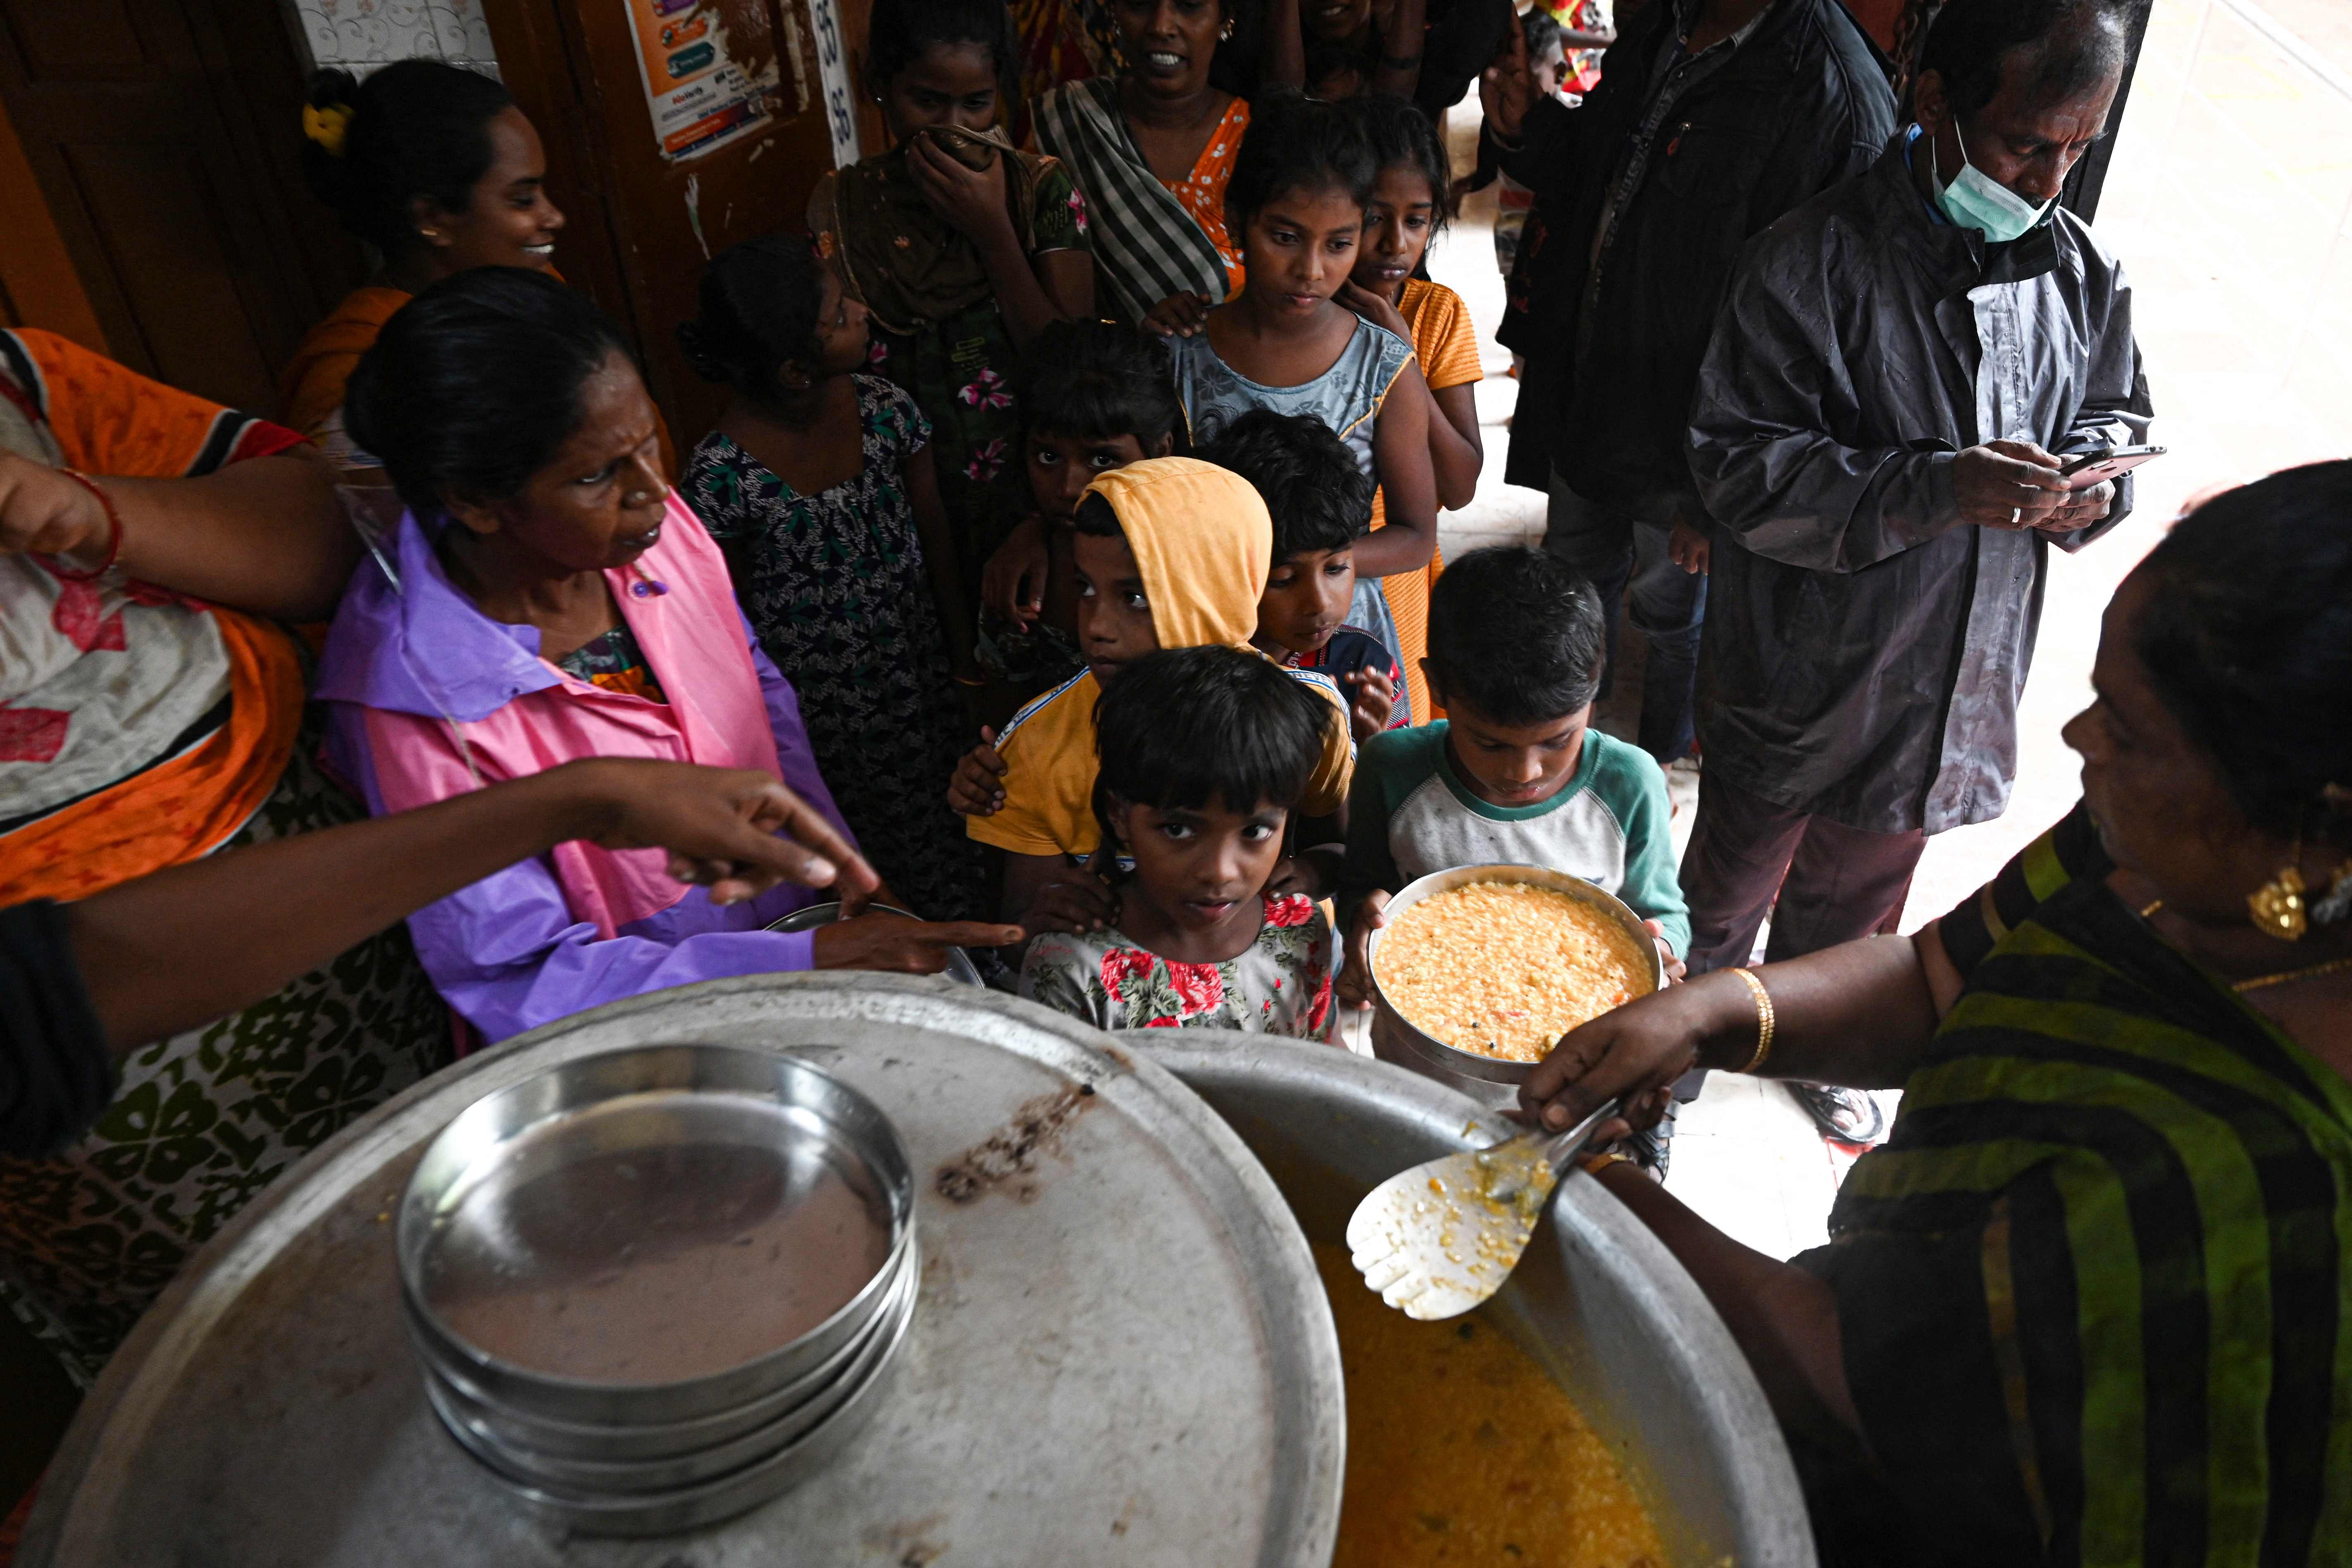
654	1287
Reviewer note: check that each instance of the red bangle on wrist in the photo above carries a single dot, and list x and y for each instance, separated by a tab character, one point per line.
113	534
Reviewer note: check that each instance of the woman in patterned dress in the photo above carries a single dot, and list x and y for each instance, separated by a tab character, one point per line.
153	714
1155	145
818	487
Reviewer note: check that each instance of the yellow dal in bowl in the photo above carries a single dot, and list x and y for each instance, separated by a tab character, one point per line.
1462	1450
1503	969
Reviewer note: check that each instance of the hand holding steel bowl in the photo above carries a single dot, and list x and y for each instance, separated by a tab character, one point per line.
1491	1080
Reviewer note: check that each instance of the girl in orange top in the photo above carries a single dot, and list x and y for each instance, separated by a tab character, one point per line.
436	168
1410	200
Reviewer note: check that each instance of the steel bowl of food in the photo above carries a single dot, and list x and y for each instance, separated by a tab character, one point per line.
1481	969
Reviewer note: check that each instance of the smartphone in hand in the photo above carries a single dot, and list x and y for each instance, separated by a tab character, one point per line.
2087	468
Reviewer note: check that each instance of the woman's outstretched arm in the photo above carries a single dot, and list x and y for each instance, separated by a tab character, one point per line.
1859	1014
177	949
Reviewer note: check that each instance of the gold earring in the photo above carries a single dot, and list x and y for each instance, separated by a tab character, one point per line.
2277	906
1226	32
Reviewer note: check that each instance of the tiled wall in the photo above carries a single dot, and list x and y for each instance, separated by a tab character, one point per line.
360	35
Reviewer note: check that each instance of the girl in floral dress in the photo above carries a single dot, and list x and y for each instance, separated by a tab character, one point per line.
1206	752
960	249
818	486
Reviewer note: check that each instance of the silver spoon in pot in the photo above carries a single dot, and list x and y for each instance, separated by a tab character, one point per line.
1440	1238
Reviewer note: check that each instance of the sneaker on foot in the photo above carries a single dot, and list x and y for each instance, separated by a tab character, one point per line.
1844	1115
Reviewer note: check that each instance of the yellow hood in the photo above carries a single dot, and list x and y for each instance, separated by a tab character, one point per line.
1204	542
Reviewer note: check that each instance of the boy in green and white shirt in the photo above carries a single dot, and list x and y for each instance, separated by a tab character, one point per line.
1515	774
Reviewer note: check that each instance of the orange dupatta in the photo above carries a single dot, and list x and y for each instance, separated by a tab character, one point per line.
183	809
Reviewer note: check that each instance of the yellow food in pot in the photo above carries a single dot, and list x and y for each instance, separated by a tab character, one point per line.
1504	969
1461	1450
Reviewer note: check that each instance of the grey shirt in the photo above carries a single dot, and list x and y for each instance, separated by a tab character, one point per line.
1864	648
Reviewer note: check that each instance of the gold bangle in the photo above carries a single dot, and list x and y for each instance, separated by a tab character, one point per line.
1594	1164
1765	1019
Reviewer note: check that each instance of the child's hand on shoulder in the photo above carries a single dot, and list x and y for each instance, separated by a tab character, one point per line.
1078	901
1013	584
1675	967
1373	309
1372	698
1296	874
1179	315
1355	983
975	791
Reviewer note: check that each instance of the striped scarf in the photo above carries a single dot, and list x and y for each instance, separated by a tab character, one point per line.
1146	245
2093	1293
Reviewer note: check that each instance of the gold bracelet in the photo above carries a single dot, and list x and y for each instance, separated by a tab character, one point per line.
1764	1019
1593	1164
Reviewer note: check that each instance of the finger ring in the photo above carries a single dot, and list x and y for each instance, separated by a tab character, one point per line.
2015	513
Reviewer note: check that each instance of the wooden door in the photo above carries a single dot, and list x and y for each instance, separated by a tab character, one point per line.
642	226
162	135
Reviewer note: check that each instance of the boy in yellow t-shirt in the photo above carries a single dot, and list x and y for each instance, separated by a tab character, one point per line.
1172	553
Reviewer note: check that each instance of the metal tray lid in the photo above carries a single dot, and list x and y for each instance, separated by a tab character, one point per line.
1122	1353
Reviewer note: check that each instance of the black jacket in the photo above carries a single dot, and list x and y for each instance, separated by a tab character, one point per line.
1801	104
1865	649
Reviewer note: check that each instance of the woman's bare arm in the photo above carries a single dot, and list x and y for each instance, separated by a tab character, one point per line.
174	950
1859	1014
1784	1320
1285	64
939	557
1397	70
267	535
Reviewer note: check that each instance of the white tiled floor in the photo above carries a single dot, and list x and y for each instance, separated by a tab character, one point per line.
2246	318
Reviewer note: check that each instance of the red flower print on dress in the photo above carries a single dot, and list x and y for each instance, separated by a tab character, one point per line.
77	619
1078	210
1288	909
986	390
986	461
1318	1016
1121	965
32	734
1162	1024
1199	987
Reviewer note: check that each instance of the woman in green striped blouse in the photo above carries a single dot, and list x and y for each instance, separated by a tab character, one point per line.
2091	1302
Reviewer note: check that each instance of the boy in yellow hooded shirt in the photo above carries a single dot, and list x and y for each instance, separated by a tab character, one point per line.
1172	553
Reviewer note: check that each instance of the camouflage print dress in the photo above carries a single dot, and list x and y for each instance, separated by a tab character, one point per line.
205	1120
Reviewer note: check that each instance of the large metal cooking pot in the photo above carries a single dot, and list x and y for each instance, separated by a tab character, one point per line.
1120	1356
1597	1300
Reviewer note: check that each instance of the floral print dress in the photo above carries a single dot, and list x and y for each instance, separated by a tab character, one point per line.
834	587
1280	985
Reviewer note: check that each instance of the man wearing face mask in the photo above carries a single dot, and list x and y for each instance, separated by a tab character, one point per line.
1896	378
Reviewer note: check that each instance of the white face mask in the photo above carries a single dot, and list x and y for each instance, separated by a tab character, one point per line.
1976	200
